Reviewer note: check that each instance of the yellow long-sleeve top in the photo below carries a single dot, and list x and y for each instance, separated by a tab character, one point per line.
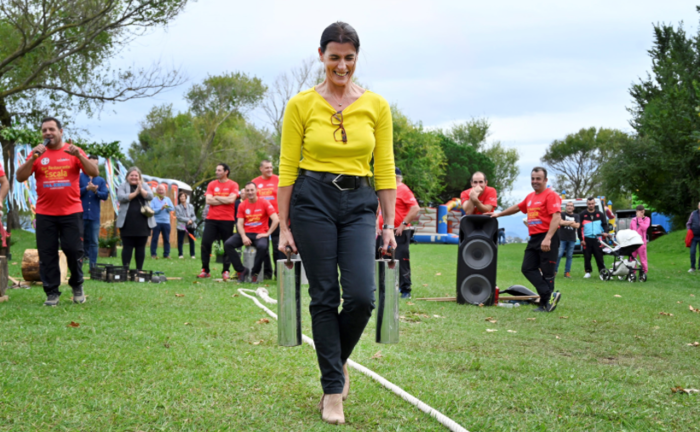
308	142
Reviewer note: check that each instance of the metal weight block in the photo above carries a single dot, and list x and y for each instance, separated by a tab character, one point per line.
289	301
387	274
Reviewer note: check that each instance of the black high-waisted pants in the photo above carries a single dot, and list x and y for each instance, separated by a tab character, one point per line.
334	230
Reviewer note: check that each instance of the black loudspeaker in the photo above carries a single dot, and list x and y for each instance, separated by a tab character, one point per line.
477	259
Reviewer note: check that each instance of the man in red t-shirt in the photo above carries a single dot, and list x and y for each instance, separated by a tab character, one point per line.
221	197
406	211
59	212
543	209
480	198
257	220
267	185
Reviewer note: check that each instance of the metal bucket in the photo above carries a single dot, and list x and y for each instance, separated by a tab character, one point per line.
387	275
289	301
249	261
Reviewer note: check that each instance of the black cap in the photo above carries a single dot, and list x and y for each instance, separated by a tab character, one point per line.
398	171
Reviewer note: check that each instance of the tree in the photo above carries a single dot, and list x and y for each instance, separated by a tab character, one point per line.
475	133
418	154
576	160
55	57
188	146
662	167
461	161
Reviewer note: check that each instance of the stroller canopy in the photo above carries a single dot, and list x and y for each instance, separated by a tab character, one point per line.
629	237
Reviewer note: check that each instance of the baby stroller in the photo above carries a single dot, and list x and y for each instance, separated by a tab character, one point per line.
624	266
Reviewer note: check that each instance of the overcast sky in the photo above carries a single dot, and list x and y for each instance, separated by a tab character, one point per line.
537	70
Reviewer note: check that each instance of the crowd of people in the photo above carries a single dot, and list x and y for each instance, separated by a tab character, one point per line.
339	201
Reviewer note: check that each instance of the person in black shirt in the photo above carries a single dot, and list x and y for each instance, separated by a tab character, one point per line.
594	224
134	226
569	224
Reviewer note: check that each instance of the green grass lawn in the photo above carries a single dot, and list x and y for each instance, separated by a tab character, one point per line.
144	359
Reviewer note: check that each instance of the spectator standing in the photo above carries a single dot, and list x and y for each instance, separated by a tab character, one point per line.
162	206
59	212
267	184
184	213
480	198
93	190
502	236
134	226
641	224
569	223
4	187
221	197
543	209
257	220
594	224
693	225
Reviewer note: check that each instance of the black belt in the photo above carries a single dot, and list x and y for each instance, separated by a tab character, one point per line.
341	181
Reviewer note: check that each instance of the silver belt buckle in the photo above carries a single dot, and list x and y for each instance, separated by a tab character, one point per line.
336	184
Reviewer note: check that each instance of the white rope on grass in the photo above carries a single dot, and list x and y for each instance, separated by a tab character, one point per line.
437	415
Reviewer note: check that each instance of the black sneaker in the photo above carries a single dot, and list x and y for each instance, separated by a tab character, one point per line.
553	301
52	300
78	295
540	309
405	295
242	275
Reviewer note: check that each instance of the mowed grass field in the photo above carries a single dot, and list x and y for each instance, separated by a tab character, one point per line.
145	359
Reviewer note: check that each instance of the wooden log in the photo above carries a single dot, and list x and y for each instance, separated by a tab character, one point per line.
30	266
3	275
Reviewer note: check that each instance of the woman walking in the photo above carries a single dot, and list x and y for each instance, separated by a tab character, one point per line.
184	213
134	226
330	135
641	224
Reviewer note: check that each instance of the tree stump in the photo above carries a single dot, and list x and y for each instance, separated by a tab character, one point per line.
3	275
30	266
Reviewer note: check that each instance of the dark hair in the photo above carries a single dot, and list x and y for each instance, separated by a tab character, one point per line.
265	161
225	167
479	172
53	119
340	32
95	157
590	199
537	169
640	207
249	183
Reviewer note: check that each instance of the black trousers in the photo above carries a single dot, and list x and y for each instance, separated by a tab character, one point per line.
68	232
593	248
181	234
261	246
215	230
403	256
276	254
539	267
333	230
134	246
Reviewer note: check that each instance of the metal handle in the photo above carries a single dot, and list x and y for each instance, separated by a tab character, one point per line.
389	251
288	251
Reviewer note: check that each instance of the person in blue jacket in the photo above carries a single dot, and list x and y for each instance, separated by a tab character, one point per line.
92	191
162	206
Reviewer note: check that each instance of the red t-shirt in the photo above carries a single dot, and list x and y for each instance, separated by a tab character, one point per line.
539	209
2	172
256	215
267	189
224	212
57	177
404	201
488	197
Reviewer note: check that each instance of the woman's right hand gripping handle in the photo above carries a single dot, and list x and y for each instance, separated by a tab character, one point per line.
287	240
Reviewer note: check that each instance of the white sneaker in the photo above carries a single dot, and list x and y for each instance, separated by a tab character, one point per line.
194	257
587	276
692	270
182	257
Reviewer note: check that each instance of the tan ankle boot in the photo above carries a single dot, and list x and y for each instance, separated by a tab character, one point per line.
346	387
331	406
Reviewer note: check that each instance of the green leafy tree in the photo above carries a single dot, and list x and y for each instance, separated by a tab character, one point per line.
662	167
576	161
461	161
55	58
419	155
187	146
